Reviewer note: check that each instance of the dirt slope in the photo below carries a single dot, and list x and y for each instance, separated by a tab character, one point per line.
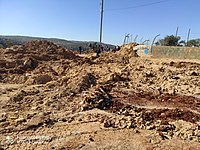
52	98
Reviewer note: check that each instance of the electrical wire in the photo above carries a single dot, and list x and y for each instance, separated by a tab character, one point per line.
138	6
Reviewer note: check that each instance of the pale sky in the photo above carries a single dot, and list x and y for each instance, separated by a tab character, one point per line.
80	19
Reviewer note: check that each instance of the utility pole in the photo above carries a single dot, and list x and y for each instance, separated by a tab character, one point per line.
101	22
188	37
177	31
177	34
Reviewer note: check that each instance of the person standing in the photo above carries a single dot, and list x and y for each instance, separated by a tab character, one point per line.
80	49
98	51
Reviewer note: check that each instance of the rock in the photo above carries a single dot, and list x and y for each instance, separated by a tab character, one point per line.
122	124
30	114
166	128
137	131
117	77
3	117
149	74
34	108
36	121
117	122
19	120
99	99
1	148
163	136
107	124
131	125
19	96
91	139
151	127
4	124
194	73
42	79
30	64
13	115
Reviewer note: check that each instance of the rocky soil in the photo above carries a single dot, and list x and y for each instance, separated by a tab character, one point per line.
52	98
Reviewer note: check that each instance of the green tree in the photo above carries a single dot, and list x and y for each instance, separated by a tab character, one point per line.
193	43
1	46
9	43
169	41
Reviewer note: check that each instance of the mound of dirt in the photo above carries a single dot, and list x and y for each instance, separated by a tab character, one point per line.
52	98
121	56
39	50
33	58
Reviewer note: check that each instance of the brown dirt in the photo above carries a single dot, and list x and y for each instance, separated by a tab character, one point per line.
52	98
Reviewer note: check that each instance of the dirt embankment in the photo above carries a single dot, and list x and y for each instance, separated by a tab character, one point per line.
52	98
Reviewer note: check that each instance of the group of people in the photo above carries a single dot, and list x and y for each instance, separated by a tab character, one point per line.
97	48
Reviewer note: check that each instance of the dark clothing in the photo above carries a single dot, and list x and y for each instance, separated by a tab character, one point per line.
80	49
98	52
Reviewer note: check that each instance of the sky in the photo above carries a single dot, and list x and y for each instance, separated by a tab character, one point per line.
80	19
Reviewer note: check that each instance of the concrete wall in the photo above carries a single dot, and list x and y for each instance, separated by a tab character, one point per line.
175	52
142	50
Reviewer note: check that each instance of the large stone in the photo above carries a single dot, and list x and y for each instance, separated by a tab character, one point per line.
36	120
19	96
42	79
3	117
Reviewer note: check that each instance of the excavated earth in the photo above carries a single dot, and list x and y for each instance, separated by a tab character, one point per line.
53	98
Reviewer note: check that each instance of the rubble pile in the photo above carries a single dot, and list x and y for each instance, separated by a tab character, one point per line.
121	56
22	61
39	50
96	99
46	89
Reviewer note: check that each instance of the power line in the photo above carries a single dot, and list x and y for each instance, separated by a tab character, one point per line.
138	6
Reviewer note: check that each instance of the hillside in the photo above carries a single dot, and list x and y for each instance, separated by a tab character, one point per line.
6	41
